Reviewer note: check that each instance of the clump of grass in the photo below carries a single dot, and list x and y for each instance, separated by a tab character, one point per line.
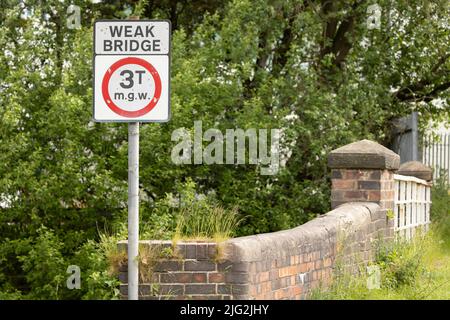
206	222
189	215
115	258
149	255
199	216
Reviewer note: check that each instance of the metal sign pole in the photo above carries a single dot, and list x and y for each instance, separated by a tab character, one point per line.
133	208
133	211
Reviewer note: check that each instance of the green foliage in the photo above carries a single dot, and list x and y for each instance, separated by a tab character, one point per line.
401	263
44	266
97	261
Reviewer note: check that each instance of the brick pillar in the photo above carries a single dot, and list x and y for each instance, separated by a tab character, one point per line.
363	172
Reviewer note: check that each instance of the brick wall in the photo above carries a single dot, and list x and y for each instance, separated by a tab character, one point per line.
286	264
279	265
189	270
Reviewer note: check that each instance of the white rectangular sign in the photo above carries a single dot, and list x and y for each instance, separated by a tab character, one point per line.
132	37
132	71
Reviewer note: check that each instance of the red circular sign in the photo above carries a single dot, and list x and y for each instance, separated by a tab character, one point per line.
148	66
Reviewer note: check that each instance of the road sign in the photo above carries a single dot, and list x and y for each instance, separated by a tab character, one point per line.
132	84
132	70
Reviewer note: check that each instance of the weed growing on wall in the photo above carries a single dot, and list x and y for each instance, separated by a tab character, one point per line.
202	218
206	223
190	215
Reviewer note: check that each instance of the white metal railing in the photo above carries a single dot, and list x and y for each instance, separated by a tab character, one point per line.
436	154
412	202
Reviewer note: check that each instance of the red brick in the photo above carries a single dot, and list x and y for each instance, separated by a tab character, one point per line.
263	276
343	184
318	264
168	265
200	289
183	277
216	277
297	290
369	185
316	255
374	196
198	277
351	174
287	271
303	267
355	195
279	295
266	286
199	266
295	259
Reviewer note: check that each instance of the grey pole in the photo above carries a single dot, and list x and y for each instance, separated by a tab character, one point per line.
415	137
133	210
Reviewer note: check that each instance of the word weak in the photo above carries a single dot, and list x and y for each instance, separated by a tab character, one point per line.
259	153
144	44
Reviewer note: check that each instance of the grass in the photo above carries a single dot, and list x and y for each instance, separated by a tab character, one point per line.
415	270
114	257
206	222
418	270
190	215
201	218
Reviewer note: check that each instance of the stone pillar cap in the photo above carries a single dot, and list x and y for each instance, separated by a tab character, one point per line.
416	169
364	154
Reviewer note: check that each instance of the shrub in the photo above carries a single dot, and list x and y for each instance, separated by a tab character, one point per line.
98	262
45	267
